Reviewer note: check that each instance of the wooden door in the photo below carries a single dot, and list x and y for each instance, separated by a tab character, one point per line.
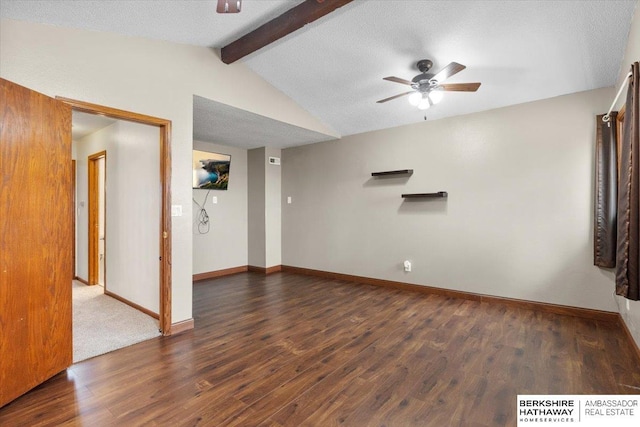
35	239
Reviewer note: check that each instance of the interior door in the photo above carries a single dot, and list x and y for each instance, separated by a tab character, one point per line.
35	239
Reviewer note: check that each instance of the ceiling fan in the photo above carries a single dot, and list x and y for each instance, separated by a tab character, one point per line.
428	88
229	6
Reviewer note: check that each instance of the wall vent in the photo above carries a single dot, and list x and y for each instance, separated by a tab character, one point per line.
274	161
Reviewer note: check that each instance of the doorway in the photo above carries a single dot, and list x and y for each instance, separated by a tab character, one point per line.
163	129
36	278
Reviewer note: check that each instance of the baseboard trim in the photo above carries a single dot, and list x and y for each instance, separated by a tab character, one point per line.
132	304
587	313
634	344
81	280
265	270
182	326
220	273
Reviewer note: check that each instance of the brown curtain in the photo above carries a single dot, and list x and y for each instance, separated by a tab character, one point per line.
605	217
629	196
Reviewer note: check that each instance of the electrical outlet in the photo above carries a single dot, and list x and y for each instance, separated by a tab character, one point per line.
289	200
407	266
214	200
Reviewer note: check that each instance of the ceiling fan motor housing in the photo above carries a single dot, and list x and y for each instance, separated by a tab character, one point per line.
424	65
422	82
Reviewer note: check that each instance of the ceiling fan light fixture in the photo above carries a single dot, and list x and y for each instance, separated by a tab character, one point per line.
415	98
424	104
436	95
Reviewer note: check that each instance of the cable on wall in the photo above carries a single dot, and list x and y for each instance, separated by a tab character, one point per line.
202	217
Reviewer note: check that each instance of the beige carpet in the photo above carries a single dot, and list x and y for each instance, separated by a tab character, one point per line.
102	324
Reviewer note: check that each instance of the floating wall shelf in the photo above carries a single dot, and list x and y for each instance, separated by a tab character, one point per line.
439	194
398	172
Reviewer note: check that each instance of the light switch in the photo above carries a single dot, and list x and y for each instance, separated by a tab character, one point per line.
289	199
176	210
214	200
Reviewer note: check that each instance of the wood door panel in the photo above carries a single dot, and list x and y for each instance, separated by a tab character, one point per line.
36	239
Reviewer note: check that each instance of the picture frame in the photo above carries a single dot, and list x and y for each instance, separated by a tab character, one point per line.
210	170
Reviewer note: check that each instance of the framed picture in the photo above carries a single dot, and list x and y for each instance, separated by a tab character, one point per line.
210	170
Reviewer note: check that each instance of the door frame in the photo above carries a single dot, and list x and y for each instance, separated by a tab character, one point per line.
94	215
165	182
73	215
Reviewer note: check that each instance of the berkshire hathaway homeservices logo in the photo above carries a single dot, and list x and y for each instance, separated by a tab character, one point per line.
582	410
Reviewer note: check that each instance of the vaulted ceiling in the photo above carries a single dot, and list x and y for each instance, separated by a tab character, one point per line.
520	50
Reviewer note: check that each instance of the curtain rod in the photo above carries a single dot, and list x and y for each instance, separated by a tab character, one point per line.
606	117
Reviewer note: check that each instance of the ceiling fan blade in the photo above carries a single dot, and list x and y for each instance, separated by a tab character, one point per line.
448	71
394	97
397	80
460	87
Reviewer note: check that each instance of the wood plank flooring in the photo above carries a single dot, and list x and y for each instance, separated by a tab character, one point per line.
292	350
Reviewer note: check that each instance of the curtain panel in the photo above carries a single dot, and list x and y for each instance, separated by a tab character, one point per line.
628	234
606	194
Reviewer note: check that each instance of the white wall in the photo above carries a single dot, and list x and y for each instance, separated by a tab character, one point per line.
149	77
225	245
91	144
133	201
518	221
630	310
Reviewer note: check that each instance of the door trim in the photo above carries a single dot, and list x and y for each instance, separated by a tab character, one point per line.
94	215
73	215
165	180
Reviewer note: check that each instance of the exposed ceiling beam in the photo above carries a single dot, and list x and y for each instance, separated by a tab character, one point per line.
288	22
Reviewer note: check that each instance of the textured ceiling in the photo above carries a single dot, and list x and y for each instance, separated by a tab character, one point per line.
520	50
223	124
194	22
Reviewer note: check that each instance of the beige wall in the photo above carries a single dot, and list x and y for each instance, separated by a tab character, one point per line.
630	310
225	245
257	214
518	221
264	208
273	214
149	77
132	210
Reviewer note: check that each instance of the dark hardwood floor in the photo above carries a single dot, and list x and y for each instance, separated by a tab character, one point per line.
291	350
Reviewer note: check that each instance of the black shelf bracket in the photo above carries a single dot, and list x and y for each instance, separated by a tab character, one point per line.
398	172
439	194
